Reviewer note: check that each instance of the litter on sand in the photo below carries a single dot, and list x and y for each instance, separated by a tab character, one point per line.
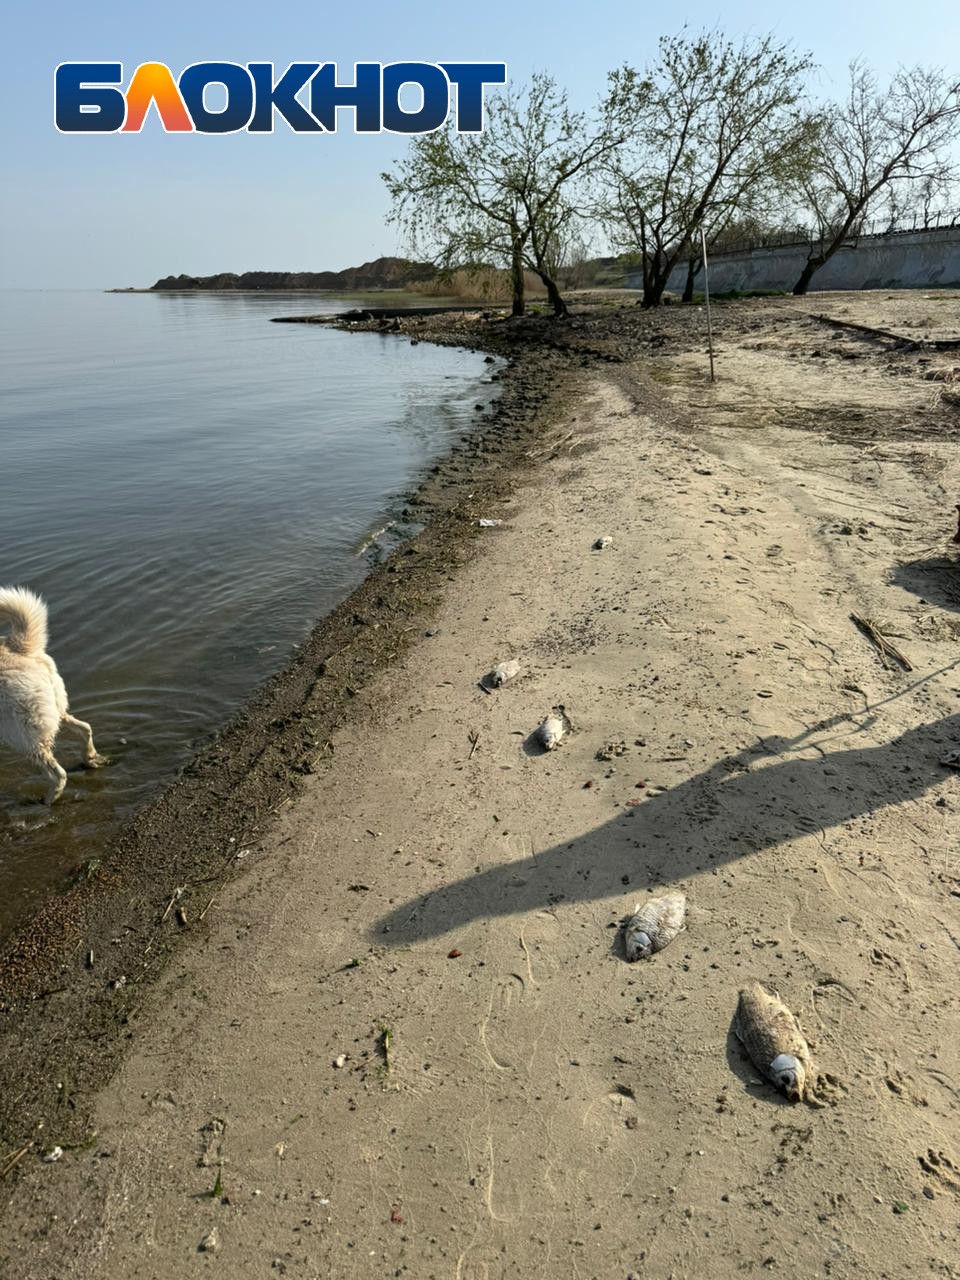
489	524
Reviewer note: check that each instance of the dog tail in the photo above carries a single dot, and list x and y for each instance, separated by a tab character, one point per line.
26	616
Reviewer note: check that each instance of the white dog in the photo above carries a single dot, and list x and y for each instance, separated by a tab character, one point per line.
33	699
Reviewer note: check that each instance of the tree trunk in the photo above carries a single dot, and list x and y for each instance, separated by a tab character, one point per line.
516	277
693	266
655	281
810	268
655	278
826	250
653	292
553	294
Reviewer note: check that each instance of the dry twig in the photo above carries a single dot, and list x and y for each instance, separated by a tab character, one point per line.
887	650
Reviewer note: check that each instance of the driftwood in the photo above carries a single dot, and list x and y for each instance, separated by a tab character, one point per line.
907	344
887	650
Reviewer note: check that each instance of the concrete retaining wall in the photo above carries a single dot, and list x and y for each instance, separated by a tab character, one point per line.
906	260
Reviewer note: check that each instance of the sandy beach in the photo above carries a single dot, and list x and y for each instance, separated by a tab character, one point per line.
393	1032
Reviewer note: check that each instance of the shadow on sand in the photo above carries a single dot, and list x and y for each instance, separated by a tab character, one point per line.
725	813
935	579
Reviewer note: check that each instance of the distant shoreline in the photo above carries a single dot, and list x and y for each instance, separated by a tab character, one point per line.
279	289
382	273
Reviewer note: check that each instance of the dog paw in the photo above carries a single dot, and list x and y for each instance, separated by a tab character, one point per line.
95	761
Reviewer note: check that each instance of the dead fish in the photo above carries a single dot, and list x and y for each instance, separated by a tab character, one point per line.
601	543
772	1037
551	731
654	925
501	673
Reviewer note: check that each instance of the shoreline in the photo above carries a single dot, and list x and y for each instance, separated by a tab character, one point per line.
539	1107
234	787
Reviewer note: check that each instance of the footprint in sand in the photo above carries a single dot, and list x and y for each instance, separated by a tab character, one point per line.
506	1024
939	1166
614	1112
883	960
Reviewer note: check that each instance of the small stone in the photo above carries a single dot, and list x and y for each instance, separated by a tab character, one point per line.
210	1242
340	1060
929	1193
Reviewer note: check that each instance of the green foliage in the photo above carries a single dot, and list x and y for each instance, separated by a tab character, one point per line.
510	196
714	129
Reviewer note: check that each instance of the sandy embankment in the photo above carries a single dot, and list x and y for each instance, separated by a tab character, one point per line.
547	1110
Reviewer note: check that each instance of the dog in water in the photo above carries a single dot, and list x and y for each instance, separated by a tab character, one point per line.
33	698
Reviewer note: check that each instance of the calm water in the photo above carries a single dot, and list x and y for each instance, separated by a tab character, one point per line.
189	487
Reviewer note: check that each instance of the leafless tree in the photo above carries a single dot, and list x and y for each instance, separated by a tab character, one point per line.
876	144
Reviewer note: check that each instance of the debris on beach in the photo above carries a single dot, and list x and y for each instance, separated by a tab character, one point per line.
340	1061
610	750
501	673
551	731
873	632
951	760
52	1156
601	543
210	1243
385	1045
654	925
773	1040
489	524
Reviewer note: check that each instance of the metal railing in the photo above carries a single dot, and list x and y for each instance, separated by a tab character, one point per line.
877	228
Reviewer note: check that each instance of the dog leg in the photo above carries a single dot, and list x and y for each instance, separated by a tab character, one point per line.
56	776
91	757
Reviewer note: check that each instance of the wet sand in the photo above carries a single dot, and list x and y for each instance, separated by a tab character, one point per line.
371	848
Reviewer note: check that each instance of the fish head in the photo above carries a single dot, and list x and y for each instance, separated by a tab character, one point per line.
640	946
789	1074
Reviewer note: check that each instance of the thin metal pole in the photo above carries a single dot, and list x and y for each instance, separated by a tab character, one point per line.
706	290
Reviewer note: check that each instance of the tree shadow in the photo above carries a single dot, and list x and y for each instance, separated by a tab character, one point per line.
935	579
727	812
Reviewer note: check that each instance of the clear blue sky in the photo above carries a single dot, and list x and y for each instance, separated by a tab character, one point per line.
99	211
